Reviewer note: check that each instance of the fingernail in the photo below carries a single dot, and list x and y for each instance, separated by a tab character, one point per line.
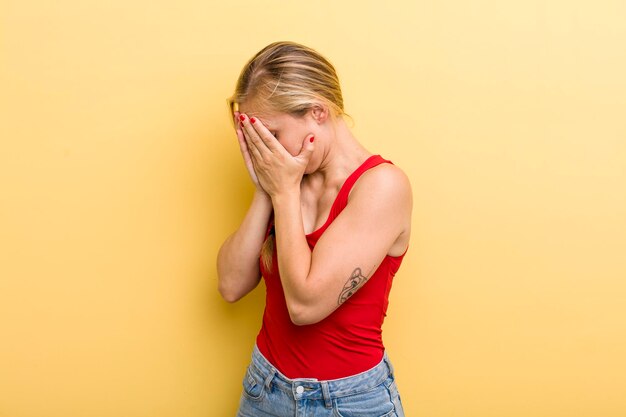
252	120
312	139
242	117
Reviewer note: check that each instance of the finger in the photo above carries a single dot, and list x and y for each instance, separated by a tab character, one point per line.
247	154
266	136
253	136
243	146
252	148
307	150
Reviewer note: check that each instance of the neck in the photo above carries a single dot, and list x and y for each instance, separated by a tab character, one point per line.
341	156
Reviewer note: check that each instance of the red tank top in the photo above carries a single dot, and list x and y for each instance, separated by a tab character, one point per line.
349	340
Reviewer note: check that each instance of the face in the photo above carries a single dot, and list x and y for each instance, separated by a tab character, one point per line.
288	130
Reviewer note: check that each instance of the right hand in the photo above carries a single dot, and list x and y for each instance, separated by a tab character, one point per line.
243	147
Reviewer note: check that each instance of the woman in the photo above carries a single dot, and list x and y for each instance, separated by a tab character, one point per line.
335	220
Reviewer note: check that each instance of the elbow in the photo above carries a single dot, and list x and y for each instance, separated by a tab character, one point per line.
302	315
228	295
232	288
301	320
225	279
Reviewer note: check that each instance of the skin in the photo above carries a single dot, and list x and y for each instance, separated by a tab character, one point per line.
299	180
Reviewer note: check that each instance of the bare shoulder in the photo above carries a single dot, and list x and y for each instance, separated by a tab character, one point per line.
383	196
385	181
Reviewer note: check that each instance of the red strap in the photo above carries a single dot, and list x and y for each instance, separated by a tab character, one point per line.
342	198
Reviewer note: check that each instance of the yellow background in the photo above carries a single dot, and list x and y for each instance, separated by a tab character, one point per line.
120	177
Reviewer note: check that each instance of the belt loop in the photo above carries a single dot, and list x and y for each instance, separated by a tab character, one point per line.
326	394
270	377
389	365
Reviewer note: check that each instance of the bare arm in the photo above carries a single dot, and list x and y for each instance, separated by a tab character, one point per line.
376	218
238	258
375	223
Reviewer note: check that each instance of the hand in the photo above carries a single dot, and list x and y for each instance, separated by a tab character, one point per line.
245	152
276	169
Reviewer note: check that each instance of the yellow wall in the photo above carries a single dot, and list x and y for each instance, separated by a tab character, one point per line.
120	176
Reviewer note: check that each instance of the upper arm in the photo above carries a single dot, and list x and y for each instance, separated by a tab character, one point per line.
356	242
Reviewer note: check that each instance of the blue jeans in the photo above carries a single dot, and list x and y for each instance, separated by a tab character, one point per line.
267	392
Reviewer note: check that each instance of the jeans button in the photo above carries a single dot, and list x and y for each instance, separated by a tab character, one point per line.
300	389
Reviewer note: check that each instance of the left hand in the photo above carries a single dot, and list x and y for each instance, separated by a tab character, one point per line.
277	170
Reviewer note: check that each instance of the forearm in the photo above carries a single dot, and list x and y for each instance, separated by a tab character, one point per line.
294	254
238	258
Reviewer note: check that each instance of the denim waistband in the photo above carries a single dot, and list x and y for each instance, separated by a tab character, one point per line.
313	389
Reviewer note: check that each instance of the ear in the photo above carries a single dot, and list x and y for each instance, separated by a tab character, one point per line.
319	113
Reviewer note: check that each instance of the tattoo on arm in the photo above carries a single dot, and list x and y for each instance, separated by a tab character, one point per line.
356	281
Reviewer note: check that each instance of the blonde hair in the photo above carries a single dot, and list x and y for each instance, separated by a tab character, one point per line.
287	77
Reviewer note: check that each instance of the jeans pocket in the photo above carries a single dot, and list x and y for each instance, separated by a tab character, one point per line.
373	403
253	387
